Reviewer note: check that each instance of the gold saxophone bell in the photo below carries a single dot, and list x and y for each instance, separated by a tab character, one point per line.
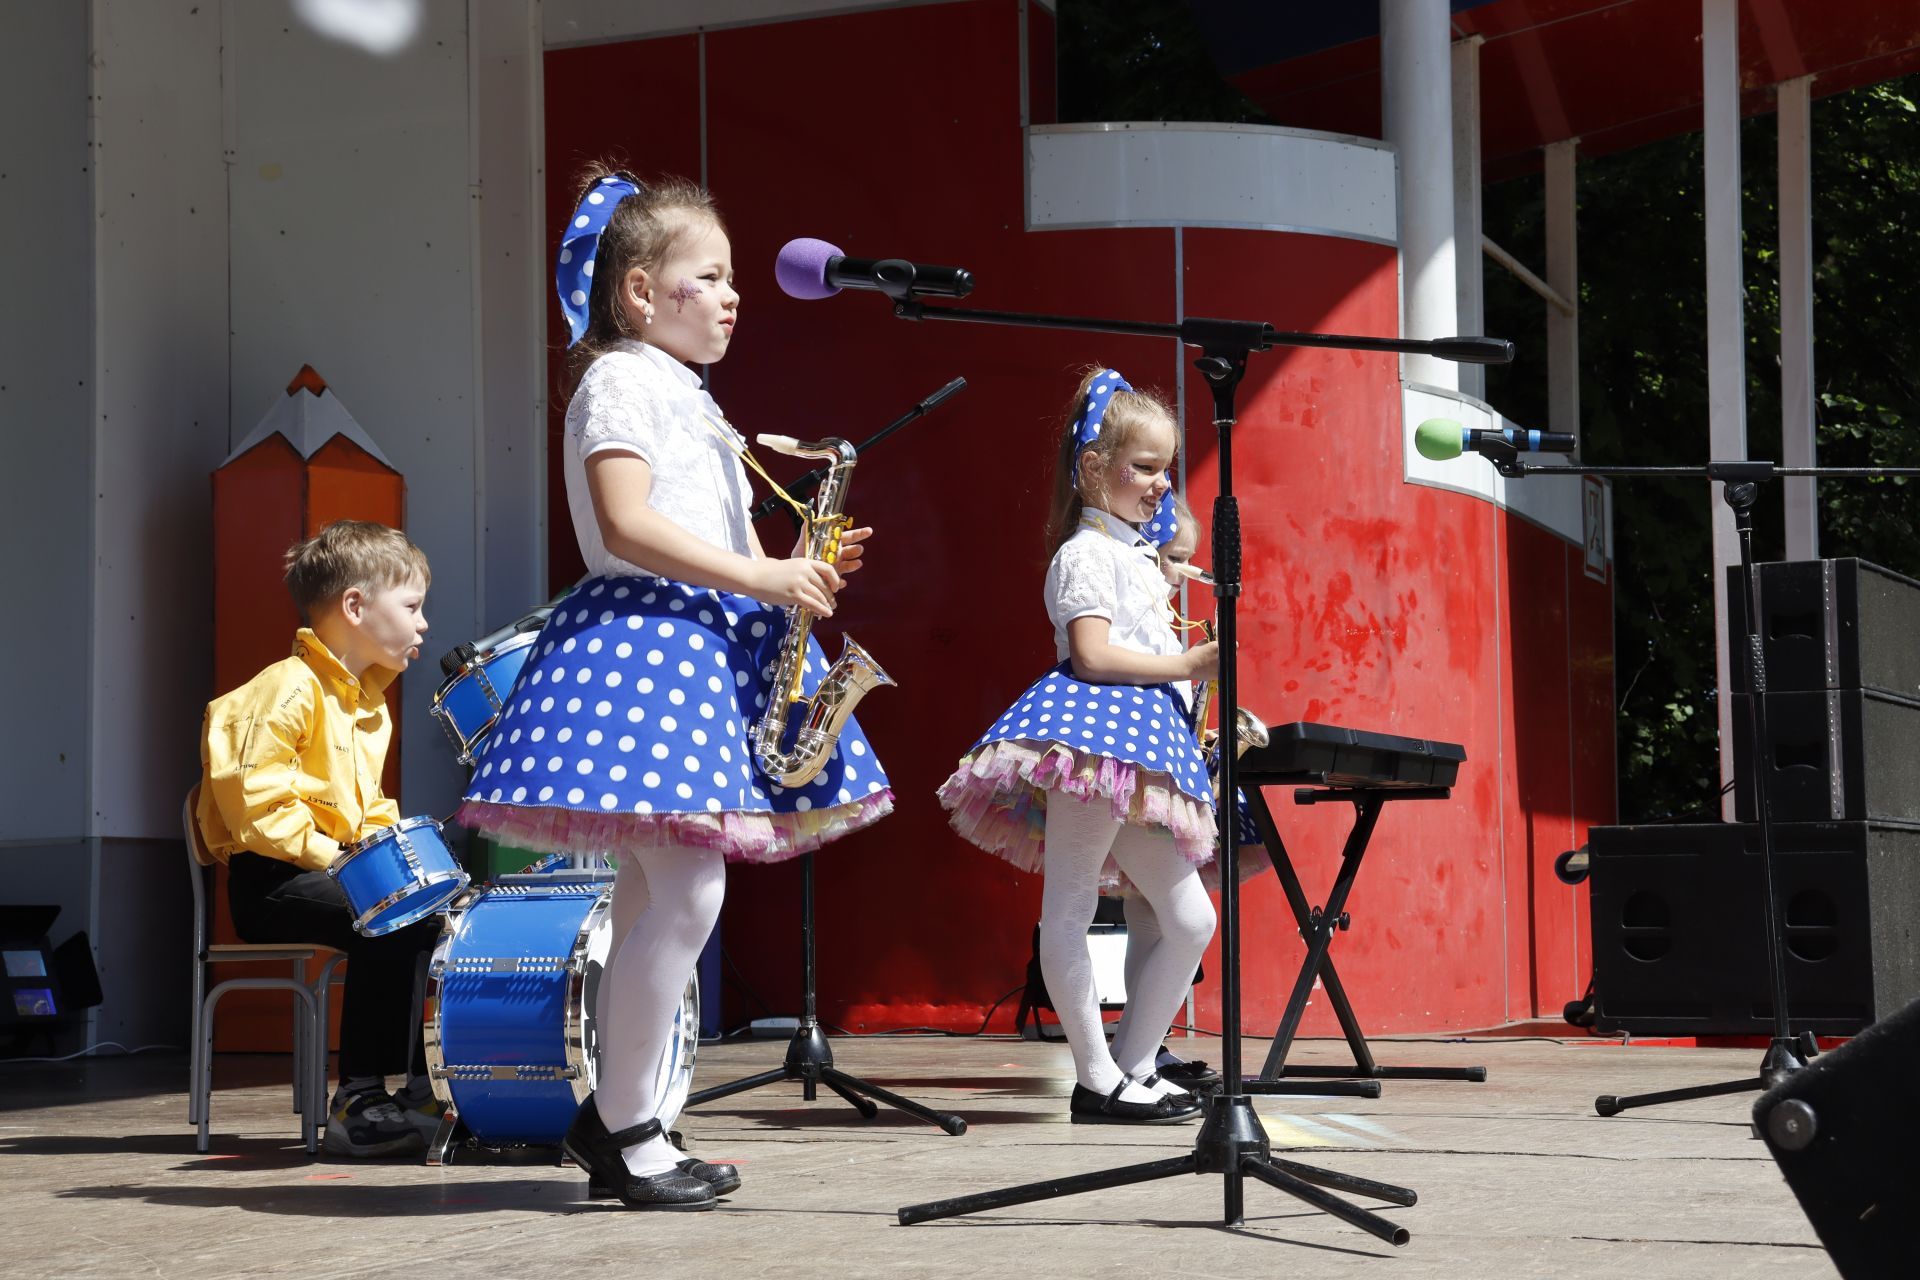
854	673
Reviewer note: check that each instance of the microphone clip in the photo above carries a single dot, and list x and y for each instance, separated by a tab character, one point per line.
1504	457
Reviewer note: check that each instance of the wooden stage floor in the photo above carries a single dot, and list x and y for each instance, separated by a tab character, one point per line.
1516	1177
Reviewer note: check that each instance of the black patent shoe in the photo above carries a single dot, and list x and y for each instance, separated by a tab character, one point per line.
723	1178
1187	1075
598	1152
1088	1107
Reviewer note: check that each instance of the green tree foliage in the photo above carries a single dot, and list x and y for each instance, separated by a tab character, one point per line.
1643	336
1644	388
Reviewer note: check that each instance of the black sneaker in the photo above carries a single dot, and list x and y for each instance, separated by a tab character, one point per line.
369	1124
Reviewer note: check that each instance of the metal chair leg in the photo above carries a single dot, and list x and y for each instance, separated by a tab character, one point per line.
323	1021
301	993
300	1031
194	1104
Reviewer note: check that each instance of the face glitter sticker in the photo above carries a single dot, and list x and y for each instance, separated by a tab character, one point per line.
683	293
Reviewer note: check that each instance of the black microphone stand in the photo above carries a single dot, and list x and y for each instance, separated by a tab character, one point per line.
1231	1141
1787	1052
809	1057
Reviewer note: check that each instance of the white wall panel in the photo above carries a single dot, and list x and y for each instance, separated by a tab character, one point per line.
46	398
1555	503
1209	175
511	308
352	251
160	409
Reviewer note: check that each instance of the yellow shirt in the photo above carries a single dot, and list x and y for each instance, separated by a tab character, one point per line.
291	760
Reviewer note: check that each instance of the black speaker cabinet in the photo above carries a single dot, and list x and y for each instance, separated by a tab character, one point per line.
1838	755
1844	1132
1679	943
1830	624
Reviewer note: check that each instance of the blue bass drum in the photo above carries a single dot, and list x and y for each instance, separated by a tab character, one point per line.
511	1048
397	875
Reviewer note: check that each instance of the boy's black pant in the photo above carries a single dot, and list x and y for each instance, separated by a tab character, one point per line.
275	901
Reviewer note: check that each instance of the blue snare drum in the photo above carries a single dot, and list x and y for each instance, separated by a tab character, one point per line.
398	875
480	676
512	1049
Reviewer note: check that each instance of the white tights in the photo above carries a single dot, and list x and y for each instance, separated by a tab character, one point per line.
1079	837
665	902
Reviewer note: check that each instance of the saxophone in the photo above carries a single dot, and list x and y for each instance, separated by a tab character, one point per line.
854	673
1249	730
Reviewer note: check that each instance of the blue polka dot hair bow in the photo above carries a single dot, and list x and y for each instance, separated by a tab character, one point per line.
1086	429
573	274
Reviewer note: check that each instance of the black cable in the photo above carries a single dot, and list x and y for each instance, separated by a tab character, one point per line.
739	980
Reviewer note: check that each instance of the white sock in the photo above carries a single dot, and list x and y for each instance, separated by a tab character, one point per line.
665	902
1185	918
1078	837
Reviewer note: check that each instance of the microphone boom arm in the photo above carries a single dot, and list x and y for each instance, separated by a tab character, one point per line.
1217	335
807	483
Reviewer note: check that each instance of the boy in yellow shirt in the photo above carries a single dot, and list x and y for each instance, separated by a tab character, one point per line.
291	765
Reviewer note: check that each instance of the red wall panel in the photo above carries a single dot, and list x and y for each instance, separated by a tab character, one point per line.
1369	602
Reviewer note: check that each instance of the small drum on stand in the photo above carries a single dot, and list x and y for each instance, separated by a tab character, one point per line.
480	676
512	1048
398	875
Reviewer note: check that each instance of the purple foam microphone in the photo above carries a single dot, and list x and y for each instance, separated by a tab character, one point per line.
801	268
808	269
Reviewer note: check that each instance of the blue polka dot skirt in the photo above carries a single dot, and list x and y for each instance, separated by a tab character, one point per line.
1129	745
630	727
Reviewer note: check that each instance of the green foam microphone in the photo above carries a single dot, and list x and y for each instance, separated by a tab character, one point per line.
1440	439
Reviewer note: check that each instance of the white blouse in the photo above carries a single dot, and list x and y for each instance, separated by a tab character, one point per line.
637	399
1108	570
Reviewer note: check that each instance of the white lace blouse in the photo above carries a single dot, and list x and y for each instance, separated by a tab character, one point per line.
1107	570
637	399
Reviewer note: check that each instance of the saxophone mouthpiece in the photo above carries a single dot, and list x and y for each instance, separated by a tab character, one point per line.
779	444
1195	572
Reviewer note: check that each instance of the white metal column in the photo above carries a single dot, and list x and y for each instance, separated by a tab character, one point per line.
1796	317
1470	293
1563	276
1417	107
1726	344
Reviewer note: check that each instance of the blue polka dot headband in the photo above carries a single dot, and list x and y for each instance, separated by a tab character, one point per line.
1086	429
573	275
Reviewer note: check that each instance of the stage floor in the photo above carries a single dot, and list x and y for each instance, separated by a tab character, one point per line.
1516	1177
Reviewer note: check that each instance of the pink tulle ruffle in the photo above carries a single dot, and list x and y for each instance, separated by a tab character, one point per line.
742	837
997	799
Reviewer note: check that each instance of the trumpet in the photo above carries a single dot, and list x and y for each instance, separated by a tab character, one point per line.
1248	729
854	673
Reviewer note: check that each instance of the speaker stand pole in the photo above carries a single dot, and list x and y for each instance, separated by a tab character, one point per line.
1740	489
1787	1053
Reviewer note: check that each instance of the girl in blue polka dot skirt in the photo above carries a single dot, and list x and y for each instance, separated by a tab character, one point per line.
1143	926
1096	760
629	729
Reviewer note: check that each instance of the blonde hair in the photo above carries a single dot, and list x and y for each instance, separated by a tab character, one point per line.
642	230
1127	414
347	554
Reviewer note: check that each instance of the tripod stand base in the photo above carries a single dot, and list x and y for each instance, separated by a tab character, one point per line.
1230	1143
810	1061
1785	1056
1344	1088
